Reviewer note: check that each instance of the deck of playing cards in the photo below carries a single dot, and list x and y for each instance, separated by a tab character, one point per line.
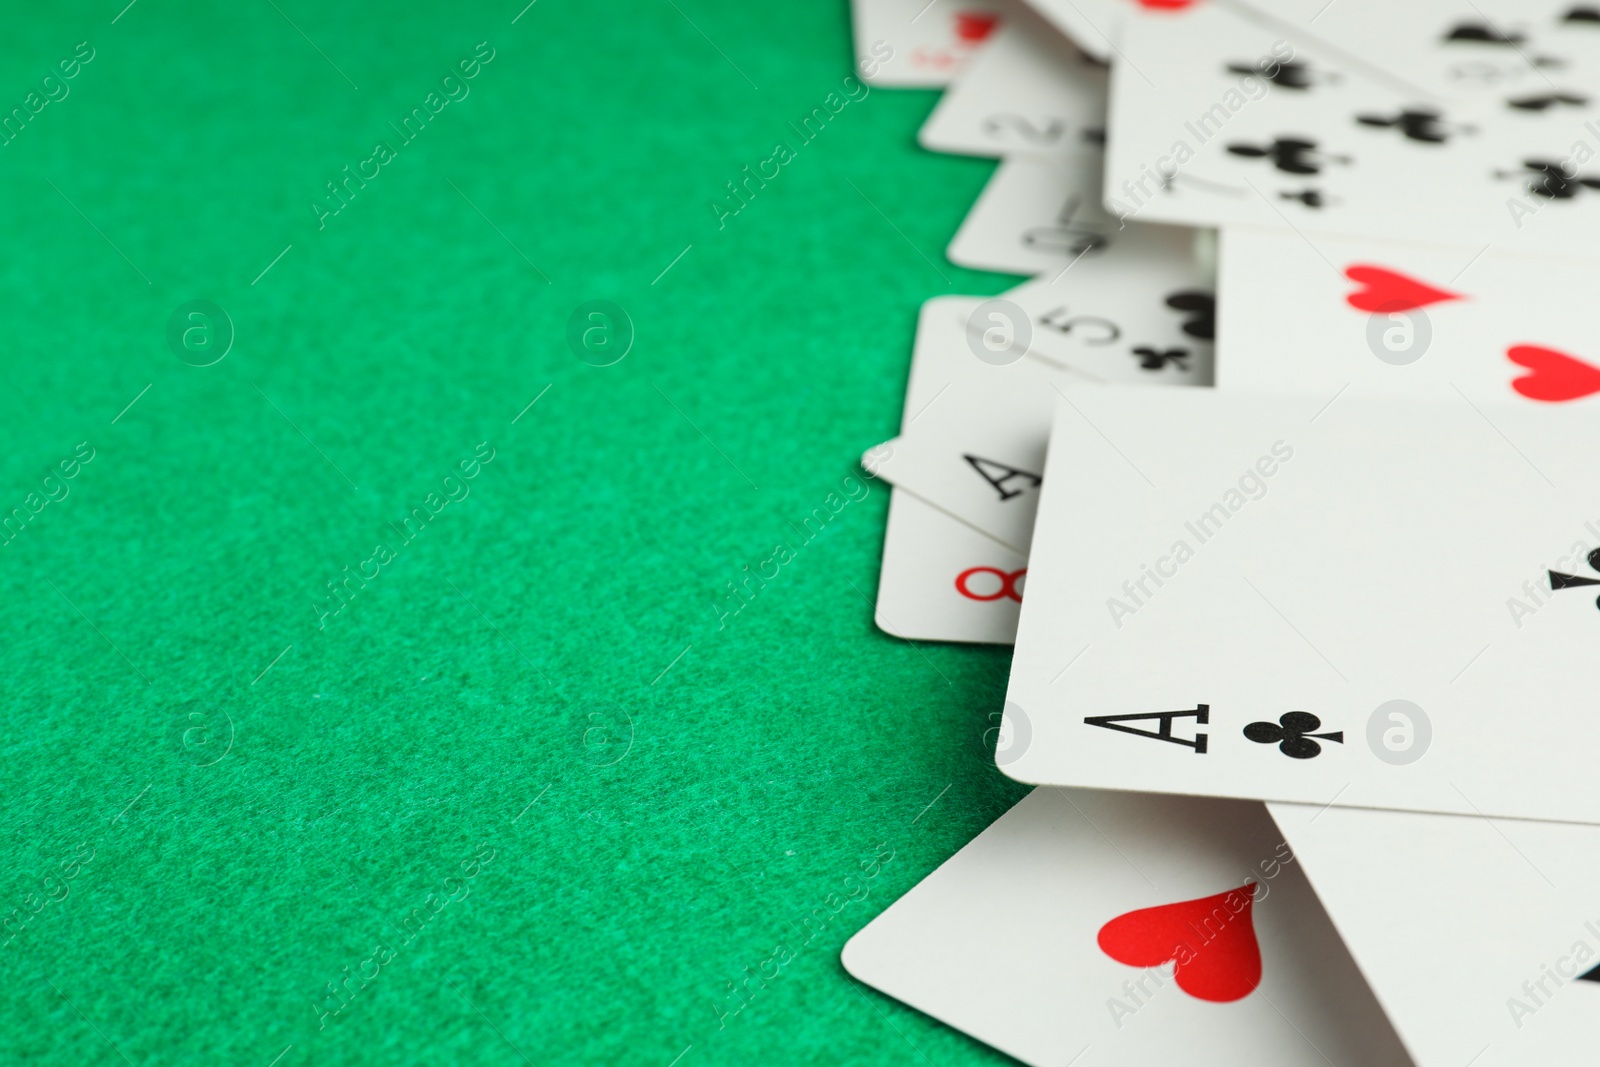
1301	655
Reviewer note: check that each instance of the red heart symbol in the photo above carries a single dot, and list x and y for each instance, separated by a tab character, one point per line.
975	26
1387	291
1164	5
1553	376
1211	942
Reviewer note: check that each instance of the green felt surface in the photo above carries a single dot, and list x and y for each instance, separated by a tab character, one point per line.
214	807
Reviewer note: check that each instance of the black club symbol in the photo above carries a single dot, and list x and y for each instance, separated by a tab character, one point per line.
1417	124
1154	359
1292	734
1202	309
1551	179
1290	75
1573	581
1312	198
1484	33
1292	155
1545	101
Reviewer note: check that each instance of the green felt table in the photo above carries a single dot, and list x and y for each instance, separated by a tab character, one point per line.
357	711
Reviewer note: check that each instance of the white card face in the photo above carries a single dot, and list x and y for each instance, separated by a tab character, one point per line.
1092	24
1302	313
1200	136
1283	575
1478	51
1140	311
1472	933
977	453
1036	215
1027	90
1022	940
912	43
951	333
974	436
946	371
1114	301
941	580
1319	314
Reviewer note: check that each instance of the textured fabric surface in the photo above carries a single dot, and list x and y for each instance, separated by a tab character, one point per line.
523	788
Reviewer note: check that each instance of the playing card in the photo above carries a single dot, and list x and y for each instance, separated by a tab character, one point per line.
941	580
979	374
1320	314
977	454
1119	302
1101	929
1218	119
1235	594
1407	939
1511	52
1092	25
1139	311
910	43
1027	90
964	344
951	351
1037	215
972	341
1480	938
1363	317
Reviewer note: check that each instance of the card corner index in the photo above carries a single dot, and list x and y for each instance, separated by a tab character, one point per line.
1200	713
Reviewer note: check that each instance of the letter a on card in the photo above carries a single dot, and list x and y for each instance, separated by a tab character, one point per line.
1201	714
998	474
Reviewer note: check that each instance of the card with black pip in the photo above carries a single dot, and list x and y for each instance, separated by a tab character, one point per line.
1327	599
1217	118
1499	53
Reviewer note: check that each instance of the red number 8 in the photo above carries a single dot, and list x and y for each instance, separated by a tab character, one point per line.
1008	583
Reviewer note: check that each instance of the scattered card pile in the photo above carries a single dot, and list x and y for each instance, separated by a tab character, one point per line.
1302	655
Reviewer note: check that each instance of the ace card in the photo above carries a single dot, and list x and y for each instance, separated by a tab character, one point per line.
1235	593
942	579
